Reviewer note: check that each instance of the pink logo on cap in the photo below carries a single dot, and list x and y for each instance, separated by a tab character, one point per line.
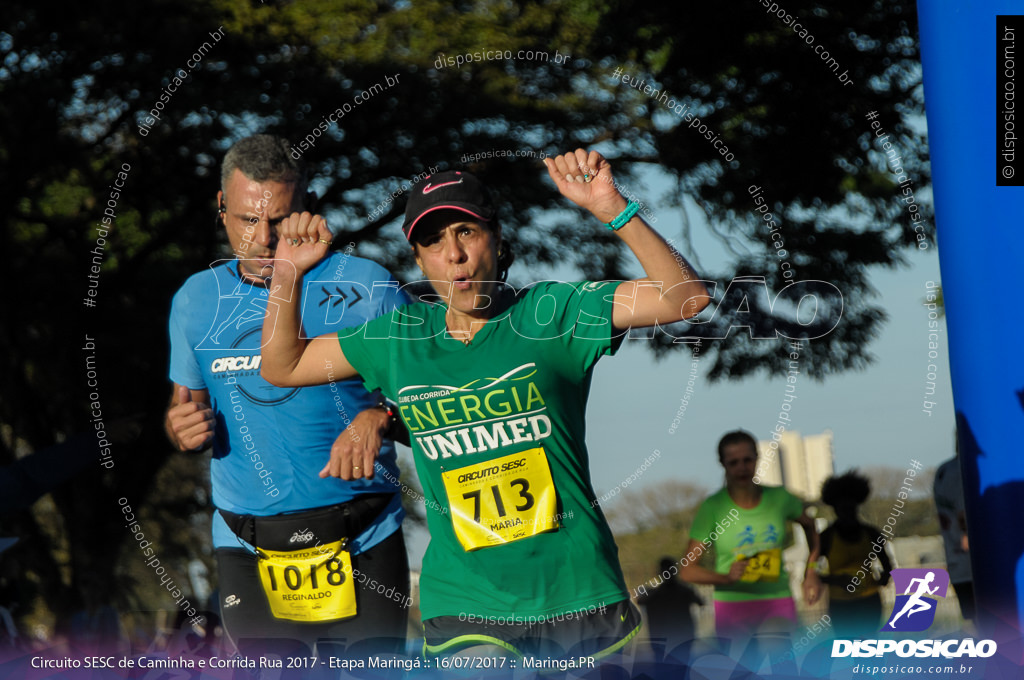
428	187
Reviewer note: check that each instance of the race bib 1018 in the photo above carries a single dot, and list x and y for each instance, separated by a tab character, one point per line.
313	584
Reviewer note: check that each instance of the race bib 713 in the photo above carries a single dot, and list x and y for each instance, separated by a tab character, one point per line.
502	500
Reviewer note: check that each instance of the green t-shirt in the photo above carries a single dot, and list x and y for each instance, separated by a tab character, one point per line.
737	533
521	384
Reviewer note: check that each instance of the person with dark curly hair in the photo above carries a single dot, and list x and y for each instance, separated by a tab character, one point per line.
855	606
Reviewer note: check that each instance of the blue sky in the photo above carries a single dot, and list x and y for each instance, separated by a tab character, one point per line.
875	415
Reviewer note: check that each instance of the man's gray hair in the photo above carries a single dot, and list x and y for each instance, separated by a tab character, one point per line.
264	158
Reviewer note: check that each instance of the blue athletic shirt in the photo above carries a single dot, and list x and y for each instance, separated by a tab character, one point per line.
271	442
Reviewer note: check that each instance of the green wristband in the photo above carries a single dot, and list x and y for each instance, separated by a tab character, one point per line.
625	216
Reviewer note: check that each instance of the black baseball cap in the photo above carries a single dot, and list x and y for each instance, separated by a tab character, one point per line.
448	190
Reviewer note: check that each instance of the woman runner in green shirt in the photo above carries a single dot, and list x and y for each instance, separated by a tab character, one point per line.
492	384
746	524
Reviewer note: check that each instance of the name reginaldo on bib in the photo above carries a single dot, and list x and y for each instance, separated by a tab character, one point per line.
309	585
501	500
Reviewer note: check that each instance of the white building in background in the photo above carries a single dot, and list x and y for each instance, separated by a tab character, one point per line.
799	463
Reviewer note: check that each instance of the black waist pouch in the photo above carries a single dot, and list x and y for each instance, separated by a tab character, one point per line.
296	530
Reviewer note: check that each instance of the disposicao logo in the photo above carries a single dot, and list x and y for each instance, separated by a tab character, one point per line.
918	592
914	610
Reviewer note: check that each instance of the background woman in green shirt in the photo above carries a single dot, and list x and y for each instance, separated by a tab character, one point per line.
746	525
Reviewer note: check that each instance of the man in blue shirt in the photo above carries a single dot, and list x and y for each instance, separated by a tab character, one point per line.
301	554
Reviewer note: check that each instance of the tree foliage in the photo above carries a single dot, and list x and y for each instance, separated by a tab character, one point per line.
77	80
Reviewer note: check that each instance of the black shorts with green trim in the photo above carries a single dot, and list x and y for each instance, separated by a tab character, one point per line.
602	633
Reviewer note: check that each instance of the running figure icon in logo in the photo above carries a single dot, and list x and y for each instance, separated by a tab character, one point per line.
921	589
